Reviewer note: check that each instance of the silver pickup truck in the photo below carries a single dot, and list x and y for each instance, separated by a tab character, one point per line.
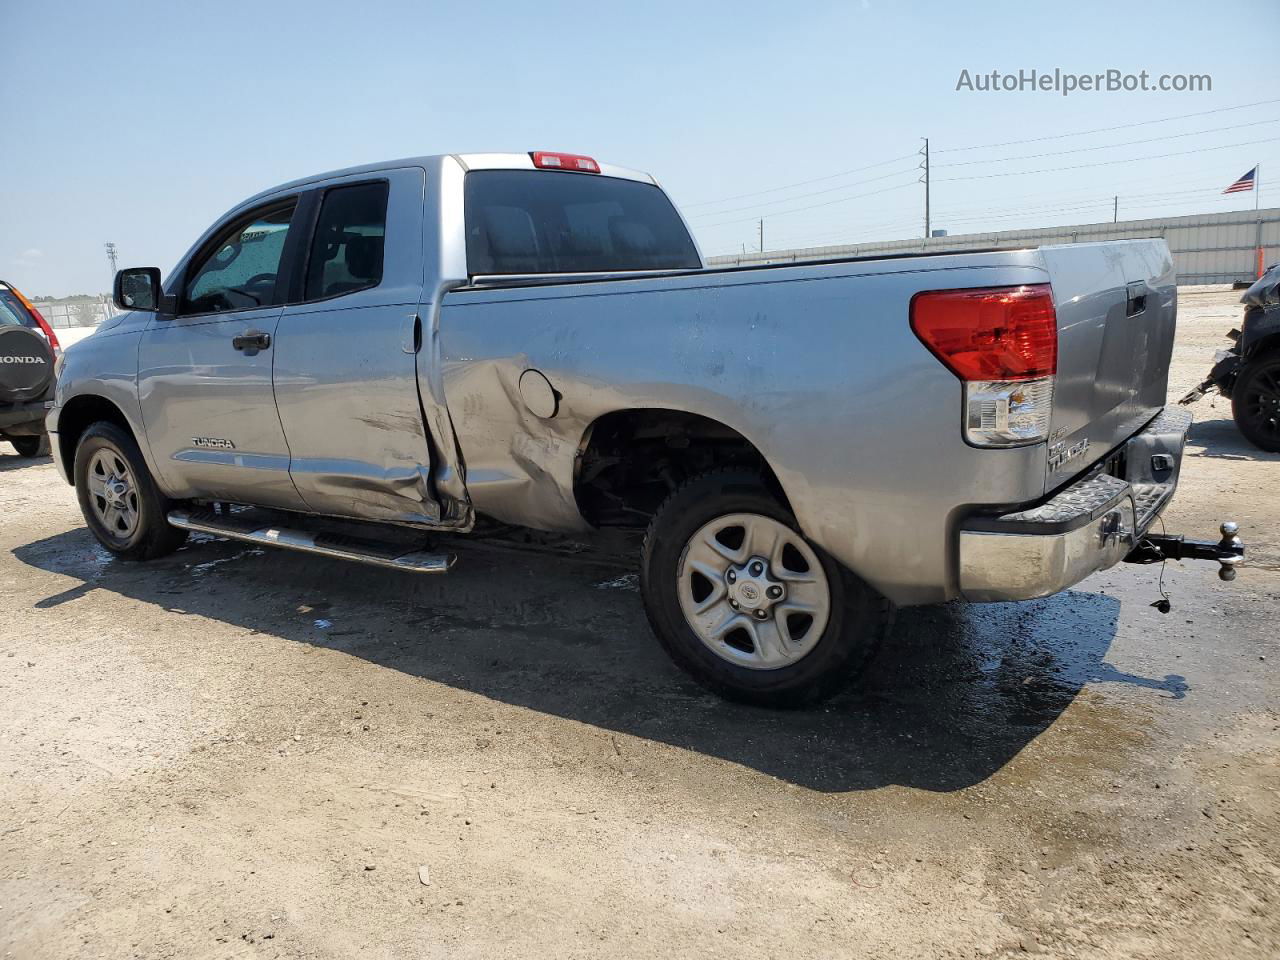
352	363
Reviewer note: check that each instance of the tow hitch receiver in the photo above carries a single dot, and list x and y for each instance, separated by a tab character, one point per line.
1155	548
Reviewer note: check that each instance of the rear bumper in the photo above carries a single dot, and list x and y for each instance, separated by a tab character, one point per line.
29	417
1090	525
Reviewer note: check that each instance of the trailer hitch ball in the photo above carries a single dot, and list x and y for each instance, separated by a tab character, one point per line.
1232	550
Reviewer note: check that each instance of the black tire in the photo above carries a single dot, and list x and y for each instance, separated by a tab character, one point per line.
152	536
1255	401
859	617
37	446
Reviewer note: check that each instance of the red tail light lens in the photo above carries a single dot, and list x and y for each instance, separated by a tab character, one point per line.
39	318
1008	333
573	162
48	330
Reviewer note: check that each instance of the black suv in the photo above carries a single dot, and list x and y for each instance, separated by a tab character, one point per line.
1248	372
28	352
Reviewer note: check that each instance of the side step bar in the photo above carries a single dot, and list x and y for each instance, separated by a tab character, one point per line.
325	545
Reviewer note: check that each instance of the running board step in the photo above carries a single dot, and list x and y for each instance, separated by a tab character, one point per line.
337	546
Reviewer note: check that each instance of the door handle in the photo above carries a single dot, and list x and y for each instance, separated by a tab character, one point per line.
1136	299
251	341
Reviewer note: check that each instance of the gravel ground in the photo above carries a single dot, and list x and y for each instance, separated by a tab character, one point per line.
234	753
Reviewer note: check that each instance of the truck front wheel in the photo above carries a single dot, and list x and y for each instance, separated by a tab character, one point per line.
121	504
745	604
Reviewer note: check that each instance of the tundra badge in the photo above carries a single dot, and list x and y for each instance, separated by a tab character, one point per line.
1060	453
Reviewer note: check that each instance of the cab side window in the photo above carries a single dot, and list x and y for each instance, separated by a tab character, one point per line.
346	251
239	270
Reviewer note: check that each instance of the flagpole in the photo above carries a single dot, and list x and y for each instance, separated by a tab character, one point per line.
1257	197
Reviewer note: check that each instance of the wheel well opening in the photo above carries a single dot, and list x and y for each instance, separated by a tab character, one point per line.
631	460
77	416
1268	343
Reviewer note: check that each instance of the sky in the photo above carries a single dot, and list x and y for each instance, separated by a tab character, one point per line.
142	123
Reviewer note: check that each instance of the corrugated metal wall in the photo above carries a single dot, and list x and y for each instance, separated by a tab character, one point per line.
1207	248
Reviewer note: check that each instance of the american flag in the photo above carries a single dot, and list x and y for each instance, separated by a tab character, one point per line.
1244	183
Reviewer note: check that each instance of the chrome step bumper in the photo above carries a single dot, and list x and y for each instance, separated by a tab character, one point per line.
303	541
1086	527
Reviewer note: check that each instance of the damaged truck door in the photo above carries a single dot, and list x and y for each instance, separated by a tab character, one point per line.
346	376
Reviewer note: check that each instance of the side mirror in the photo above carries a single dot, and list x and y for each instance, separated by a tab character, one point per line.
137	288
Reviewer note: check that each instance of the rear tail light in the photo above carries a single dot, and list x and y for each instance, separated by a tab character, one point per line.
573	162
41	322
1003	344
47	330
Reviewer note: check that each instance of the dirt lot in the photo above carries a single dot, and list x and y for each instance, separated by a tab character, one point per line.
234	753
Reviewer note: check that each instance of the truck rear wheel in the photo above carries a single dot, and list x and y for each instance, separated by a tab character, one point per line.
1255	401
745	604
121	504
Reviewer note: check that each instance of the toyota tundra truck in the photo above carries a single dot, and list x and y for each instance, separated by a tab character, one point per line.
355	363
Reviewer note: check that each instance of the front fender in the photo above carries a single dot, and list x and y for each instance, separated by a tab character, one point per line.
102	368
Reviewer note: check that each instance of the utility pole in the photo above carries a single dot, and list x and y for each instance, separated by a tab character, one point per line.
1115	211
111	258
924	165
762	234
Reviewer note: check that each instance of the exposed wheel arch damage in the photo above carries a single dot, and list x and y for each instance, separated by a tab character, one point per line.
630	460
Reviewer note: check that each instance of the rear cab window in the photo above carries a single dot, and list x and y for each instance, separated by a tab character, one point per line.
537	221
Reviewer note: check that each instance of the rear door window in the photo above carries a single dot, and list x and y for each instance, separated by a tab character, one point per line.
537	221
347	247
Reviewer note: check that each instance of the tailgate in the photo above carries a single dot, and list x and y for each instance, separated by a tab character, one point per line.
1117	306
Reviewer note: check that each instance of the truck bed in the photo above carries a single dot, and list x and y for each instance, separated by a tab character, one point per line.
814	364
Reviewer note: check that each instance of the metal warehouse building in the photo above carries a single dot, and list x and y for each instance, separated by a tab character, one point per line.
1207	248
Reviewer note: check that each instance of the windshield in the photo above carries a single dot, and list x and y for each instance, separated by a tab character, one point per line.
536	221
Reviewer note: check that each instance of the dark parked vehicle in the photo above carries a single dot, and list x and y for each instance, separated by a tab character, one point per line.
1248	373
28	352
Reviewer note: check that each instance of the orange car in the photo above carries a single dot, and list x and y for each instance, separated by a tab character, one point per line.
28	352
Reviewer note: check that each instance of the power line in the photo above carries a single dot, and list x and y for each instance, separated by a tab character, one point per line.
1106	163
1005	143
1121	126
1072	202
848	234
801	183
1108	146
802	196
1123	185
1002	212
1101	202
852	236
812	206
